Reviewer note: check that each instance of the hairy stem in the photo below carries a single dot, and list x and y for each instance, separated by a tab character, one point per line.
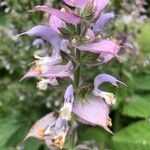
78	59
77	70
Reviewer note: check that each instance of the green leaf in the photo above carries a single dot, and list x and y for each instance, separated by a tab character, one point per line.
133	137
93	133
142	82
143	38
32	144
7	128
137	106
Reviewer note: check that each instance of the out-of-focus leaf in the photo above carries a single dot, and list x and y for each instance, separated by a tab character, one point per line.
133	137
94	133
143	38
33	144
137	106
17	137
142	82
7	128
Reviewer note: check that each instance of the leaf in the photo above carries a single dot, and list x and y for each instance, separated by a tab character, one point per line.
93	133
7	128
143	38
32	144
137	107
133	137
142	82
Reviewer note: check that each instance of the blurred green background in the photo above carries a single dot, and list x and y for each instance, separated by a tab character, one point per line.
21	103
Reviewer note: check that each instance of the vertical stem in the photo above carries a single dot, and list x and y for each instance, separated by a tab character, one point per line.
77	57
77	70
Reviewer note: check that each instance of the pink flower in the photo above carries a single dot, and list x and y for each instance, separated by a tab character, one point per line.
51	129
50	71
65	16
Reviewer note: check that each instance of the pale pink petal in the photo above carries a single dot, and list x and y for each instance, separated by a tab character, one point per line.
43	123
77	3
43	62
105	57
56	23
94	112
65	16
90	35
104	45
99	6
59	71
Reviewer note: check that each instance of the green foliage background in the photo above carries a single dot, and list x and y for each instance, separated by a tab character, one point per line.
21	104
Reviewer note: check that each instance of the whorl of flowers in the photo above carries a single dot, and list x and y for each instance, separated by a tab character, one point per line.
74	30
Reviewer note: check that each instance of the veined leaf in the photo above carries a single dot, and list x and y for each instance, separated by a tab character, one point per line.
94	133
137	106
7	128
143	82
133	137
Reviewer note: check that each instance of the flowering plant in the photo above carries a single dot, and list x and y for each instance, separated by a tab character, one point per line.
73	31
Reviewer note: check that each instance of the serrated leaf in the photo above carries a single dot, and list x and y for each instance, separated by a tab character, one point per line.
133	137
137	106
142	82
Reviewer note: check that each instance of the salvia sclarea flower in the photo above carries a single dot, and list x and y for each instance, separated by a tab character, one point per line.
65	61
54	127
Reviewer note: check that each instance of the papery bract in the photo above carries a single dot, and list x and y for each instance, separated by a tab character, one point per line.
104	45
105	57
77	3
38	129
56	23
94	112
50	71
65	16
59	71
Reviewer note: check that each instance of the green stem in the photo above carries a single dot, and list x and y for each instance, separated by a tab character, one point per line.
77	70
78	59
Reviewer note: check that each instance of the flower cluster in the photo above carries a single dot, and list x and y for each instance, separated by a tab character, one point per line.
72	31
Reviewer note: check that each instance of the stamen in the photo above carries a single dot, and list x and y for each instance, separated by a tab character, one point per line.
109	122
41	133
58	142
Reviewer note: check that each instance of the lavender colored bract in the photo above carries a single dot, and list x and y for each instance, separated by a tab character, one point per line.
64	61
